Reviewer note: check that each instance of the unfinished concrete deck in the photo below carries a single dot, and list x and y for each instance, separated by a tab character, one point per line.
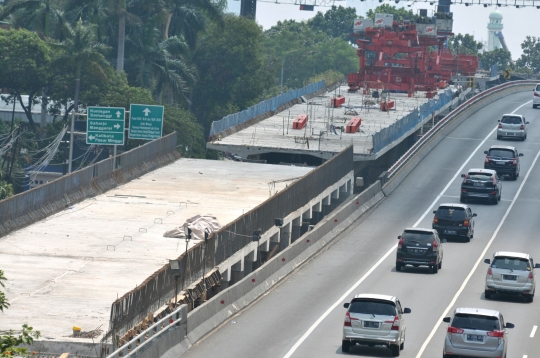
67	270
275	134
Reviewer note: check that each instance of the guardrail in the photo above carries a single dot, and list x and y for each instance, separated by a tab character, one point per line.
143	339
447	119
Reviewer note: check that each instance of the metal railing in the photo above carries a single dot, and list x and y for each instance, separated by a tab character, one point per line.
448	118
141	340
265	106
390	134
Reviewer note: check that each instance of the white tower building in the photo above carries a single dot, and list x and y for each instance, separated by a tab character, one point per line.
495	25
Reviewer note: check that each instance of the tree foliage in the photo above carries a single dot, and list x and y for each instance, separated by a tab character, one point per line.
464	44
400	13
531	54
337	22
499	57
24	67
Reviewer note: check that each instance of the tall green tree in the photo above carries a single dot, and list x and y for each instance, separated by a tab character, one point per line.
399	13
337	22
232	69
82	49
42	16
531	54
464	44
499	57
24	67
159	64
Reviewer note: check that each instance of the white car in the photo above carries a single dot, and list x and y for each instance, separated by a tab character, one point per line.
476	332
374	320
511	273
536	96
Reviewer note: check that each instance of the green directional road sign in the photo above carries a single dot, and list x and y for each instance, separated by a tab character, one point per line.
145	122
105	125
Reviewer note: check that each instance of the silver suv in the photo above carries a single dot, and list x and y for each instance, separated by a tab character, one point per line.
511	273
513	126
374	320
476	332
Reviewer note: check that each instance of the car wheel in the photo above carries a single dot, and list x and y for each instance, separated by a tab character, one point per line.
495	201
399	267
395	351
402	345
487	294
345	346
529	298
440	265
435	269
498	137
462	199
467	238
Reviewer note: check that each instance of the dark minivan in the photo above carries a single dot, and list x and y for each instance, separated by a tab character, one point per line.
419	247
454	220
504	160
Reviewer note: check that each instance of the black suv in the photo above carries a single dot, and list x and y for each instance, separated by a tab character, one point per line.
504	160
454	220
419	247
481	184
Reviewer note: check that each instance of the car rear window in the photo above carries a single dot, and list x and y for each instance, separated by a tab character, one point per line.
538	87
511	120
376	307
451	213
479	176
478	322
502	153
511	263
417	236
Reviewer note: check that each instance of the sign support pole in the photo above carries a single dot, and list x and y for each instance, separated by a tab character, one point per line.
70	162
114	157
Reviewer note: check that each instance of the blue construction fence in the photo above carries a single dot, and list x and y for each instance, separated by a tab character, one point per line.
266	106
398	129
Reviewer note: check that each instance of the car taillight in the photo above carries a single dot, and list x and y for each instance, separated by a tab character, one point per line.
489	273
466	222
498	334
522	127
466	177
493	179
536	94
531	277
434	246
514	162
347	322
487	159
395	325
400	244
435	220
463	190
500	125
455	330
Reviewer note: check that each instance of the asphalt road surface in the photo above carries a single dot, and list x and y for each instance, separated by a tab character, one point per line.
303	316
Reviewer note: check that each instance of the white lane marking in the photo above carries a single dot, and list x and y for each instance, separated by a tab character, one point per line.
460	169
525	356
464	138
350	290
342	298
533	331
479	260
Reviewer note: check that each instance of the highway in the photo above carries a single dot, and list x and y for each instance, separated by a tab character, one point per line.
303	316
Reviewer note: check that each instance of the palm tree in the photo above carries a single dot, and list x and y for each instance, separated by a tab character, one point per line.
41	16
82	49
158	64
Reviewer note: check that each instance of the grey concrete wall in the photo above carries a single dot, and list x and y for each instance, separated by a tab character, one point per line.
229	301
399	176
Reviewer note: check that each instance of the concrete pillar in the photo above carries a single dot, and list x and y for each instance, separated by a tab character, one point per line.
249	262
306	221
261	255
237	272
285	233
225	278
326	203
316	213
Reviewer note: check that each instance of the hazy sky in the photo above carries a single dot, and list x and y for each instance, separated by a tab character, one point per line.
518	23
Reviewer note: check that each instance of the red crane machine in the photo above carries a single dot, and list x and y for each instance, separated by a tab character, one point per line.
407	56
